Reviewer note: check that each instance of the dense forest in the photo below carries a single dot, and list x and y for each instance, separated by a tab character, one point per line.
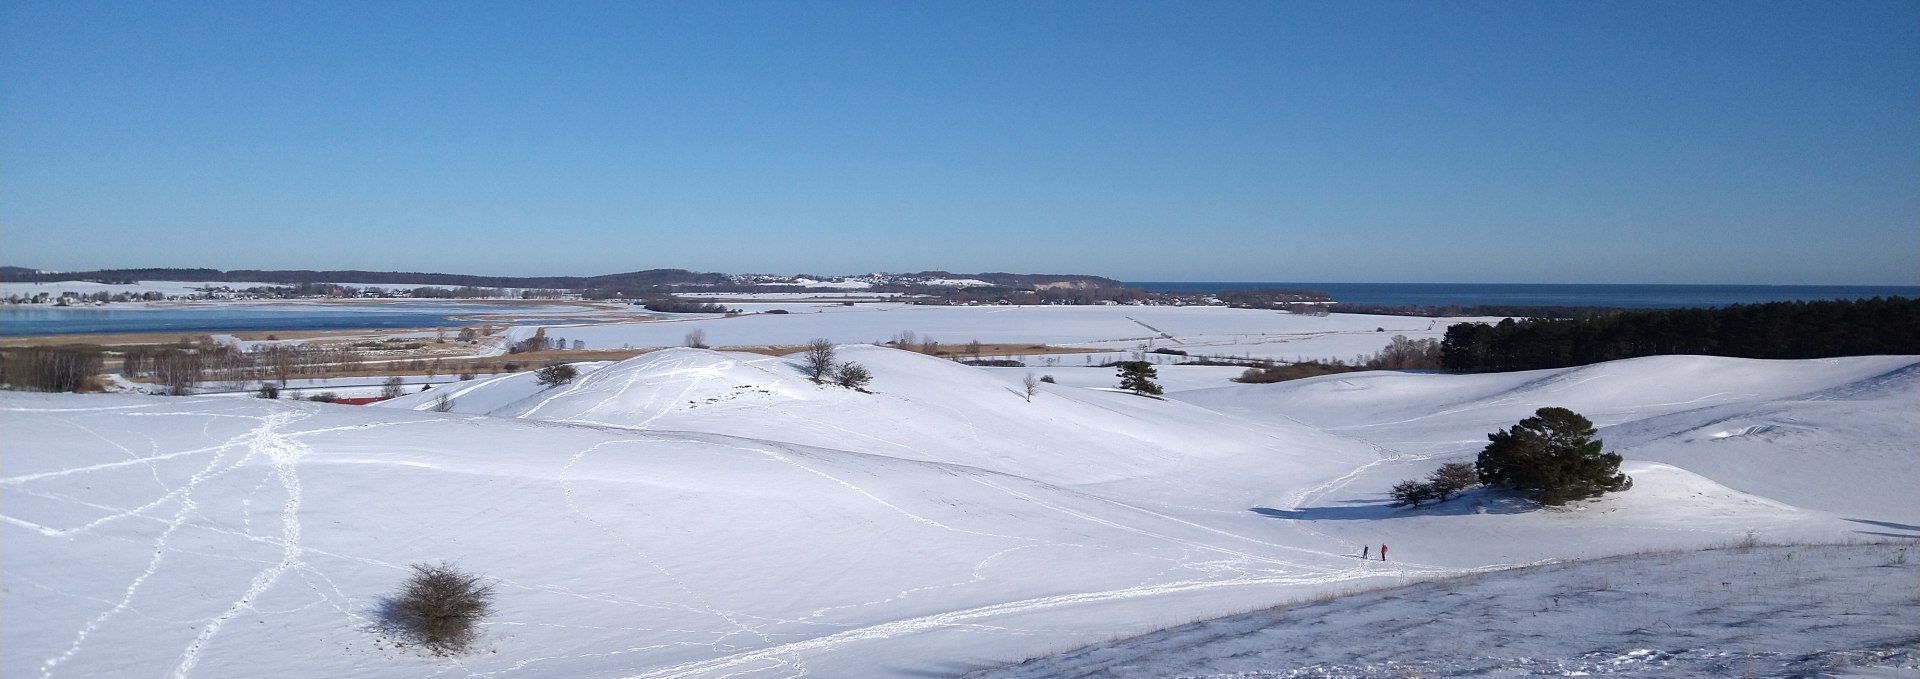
1772	330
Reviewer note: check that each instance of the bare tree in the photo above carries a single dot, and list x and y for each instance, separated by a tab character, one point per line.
930	346
392	388
180	370
697	339
819	358
1032	385
443	403
51	368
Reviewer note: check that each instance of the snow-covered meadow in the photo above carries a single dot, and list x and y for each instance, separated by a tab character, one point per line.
1198	330
692	513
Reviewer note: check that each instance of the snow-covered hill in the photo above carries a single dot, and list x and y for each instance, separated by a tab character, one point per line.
691	513
1768	611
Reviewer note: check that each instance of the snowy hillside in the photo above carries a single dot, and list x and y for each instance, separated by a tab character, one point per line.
1770	611
691	513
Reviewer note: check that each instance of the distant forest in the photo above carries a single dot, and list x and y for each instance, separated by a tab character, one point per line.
1772	330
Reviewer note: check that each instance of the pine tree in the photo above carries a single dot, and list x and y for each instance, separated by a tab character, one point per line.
1552	458
1137	377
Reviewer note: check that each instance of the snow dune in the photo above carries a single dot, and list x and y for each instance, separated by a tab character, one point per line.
692	513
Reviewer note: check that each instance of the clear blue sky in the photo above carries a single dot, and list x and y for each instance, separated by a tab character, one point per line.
1549	142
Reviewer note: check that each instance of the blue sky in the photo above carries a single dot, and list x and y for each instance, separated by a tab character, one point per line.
1543	142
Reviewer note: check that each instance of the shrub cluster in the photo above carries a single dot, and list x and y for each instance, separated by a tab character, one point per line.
68	368
1442	485
439	607
680	306
556	374
820	364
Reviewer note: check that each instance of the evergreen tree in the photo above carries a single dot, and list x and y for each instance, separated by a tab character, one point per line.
1137	377
556	375
1552	458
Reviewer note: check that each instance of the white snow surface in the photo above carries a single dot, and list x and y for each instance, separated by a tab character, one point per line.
1770	611
1215	331
691	513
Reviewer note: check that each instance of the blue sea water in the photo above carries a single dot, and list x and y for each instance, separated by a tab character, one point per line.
42	320
1618	296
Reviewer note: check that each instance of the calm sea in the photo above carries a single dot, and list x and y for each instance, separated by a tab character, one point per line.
40	320
1619	296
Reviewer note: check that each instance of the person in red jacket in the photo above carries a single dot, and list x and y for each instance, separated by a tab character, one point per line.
1383	551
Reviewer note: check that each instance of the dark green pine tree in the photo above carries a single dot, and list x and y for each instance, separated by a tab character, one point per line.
1137	377
1551	458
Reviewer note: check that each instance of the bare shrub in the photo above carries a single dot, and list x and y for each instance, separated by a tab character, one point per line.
1411	493
1031	384
392	388
439	607
852	376
697	339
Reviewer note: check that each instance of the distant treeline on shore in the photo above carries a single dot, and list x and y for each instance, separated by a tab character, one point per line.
1458	311
1775	330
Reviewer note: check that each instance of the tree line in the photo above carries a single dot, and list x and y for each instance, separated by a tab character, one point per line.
1774	330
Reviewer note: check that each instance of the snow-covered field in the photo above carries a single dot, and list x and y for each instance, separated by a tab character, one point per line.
692	513
1213	331
1767	611
184	288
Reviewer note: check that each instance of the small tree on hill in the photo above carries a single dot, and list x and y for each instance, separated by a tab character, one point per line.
1137	377
818	360
1410	493
556	375
1451	478
1552	458
852	376
1442	485
439	607
393	387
